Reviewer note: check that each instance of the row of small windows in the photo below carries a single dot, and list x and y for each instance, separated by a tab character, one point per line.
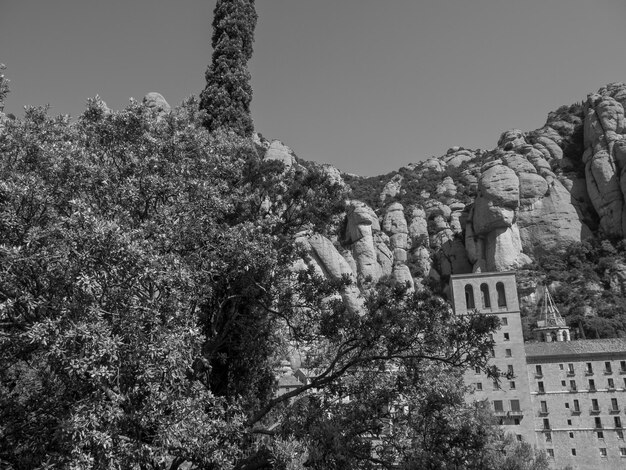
484	296
610	385
597	423
608	368
603	452
595	409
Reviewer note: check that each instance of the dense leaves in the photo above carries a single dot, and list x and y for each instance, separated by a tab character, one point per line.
227	95
588	284
148	293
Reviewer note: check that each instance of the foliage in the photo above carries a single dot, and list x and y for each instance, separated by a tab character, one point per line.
227	95
587	284
4	87
147	296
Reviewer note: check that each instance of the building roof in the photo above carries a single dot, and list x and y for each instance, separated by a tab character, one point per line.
570	348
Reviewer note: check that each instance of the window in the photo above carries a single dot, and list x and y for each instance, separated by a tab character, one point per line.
477	370
496	385
572	385
622	451
538	370
512	385
570	369
614	405
600	435
594	405
544	406
592	385
493	353
550	453
571	435
484	295
501	295
515	405
624	382
574	452
509	370
607	368
622	366
598	422
567	405
569	422
620	434
576	406
546	423
618	421
516	421
548	437
540	387
589	368
479	386
610	383
469	297
506	337
504	321
497	406
519	438
561	366
508	353
603	452
563	383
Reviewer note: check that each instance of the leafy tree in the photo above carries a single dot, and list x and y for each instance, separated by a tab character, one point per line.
147	296
227	95
4	87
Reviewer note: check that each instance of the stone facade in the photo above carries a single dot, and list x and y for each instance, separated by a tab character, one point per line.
571	395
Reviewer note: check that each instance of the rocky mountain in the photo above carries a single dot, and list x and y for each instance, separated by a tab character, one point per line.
474	210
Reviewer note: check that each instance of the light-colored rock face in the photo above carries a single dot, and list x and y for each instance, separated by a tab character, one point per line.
605	157
456	156
156	101
332	265
279	151
333	174
501	207
392	188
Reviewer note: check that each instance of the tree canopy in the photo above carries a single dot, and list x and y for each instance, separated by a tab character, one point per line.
148	294
228	93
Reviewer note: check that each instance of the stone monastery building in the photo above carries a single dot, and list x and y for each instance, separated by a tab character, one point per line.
565	397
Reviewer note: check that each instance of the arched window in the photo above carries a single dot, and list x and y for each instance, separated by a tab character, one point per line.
501	295
469	297
566	336
553	335
484	295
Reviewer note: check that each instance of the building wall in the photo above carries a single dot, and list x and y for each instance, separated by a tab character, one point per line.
569	428
508	351
572	411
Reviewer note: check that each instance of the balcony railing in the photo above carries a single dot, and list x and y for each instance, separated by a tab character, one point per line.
571	373
614	410
594	411
509	414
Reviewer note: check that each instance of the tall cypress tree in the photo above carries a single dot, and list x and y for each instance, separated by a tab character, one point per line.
227	95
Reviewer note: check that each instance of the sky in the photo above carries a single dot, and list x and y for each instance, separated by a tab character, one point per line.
366	85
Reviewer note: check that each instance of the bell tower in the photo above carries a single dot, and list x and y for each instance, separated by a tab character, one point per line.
550	326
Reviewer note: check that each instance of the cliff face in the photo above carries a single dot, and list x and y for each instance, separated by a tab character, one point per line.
473	210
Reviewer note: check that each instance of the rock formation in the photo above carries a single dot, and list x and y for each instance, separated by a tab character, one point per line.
474	210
